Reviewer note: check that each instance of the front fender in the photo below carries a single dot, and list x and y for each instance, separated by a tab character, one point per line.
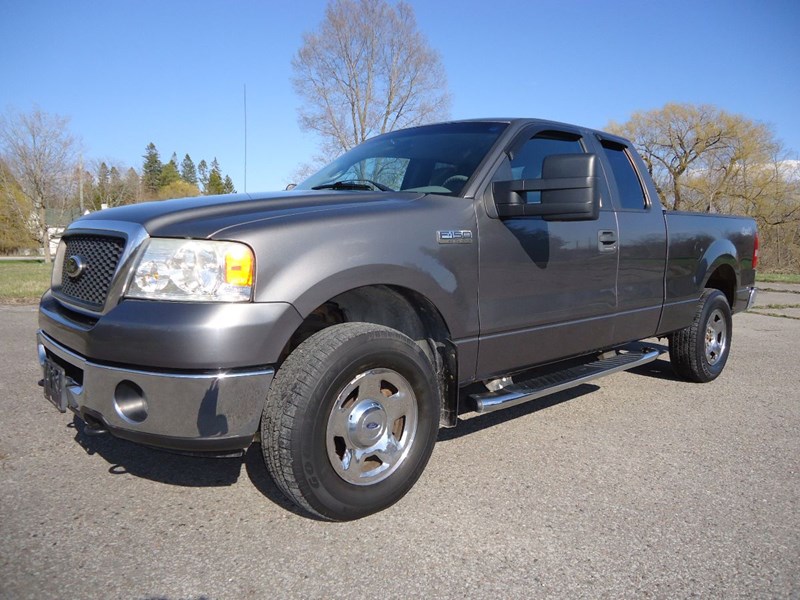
433	281
306	260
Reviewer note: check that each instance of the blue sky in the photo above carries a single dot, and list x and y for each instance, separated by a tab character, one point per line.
172	72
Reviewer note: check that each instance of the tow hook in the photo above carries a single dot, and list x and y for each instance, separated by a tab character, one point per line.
94	432
93	428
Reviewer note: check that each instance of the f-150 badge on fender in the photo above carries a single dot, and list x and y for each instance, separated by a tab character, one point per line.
454	236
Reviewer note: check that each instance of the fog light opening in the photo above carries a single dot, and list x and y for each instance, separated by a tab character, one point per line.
130	402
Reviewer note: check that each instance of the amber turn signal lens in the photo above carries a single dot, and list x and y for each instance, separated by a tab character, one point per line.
239	266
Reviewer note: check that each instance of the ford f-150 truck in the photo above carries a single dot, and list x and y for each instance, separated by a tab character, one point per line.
428	272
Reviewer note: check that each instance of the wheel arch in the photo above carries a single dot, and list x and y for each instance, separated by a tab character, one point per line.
717	269
723	278
401	308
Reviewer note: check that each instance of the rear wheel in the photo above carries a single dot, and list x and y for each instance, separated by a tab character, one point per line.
700	351
350	421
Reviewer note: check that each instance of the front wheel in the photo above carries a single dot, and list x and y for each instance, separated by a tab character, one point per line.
350	421
699	352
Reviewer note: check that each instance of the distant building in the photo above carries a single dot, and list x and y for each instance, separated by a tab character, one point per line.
58	220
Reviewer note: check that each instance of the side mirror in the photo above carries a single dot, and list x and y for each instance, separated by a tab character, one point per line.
291	186
568	187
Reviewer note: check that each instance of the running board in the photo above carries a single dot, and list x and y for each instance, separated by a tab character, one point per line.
544	385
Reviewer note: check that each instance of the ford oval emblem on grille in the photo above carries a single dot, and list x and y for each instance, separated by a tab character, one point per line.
74	266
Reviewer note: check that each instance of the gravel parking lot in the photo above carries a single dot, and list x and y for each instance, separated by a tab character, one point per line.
637	486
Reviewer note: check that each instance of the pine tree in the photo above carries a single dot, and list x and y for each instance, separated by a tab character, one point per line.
151	170
169	172
188	170
227	186
101	187
131	188
116	188
215	185
202	170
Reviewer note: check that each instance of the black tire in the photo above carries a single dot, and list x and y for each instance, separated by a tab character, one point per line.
347	391
699	352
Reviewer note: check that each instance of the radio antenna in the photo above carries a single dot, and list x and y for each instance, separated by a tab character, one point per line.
245	138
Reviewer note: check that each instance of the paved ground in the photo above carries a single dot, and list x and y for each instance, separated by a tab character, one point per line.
779	299
639	486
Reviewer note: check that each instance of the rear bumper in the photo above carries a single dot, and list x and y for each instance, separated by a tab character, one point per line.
216	411
745	298
751	298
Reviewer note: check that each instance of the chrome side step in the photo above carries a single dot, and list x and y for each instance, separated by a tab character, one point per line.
524	391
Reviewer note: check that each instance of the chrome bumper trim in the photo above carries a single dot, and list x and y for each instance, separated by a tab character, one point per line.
751	298
205	408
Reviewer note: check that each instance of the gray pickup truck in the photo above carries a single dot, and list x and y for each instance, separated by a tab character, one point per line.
428	272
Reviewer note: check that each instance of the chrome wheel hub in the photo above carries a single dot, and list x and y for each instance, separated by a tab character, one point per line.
366	423
372	426
716	337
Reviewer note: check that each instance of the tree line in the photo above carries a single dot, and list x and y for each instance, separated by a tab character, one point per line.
108	185
171	180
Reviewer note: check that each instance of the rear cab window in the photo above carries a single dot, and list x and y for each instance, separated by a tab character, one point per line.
630	193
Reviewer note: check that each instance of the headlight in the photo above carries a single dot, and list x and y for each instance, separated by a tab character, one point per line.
194	270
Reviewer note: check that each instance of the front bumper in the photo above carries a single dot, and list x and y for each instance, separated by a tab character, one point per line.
187	411
174	335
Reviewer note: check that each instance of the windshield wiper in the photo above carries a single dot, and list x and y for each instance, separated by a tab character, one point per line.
366	185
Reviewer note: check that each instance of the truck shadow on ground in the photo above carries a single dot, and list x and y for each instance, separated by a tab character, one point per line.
658	369
157	465
177	469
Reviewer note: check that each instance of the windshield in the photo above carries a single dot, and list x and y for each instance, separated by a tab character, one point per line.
434	159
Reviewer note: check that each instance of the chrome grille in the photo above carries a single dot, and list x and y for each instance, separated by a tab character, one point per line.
100	255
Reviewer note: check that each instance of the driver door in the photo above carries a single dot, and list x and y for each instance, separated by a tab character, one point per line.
548	289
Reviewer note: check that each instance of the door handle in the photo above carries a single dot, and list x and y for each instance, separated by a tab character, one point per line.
607	240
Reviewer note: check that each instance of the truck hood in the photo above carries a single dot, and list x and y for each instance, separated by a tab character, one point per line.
204	216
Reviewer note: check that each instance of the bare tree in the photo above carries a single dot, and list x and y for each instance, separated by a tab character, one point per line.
39	153
367	70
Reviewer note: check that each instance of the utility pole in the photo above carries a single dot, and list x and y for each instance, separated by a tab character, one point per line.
80	181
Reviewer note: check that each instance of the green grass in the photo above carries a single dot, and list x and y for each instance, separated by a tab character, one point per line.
778	277
23	280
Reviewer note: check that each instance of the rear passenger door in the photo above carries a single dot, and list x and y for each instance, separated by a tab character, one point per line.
642	242
547	288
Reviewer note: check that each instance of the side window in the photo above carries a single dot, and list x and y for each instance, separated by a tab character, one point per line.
631	195
527	163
